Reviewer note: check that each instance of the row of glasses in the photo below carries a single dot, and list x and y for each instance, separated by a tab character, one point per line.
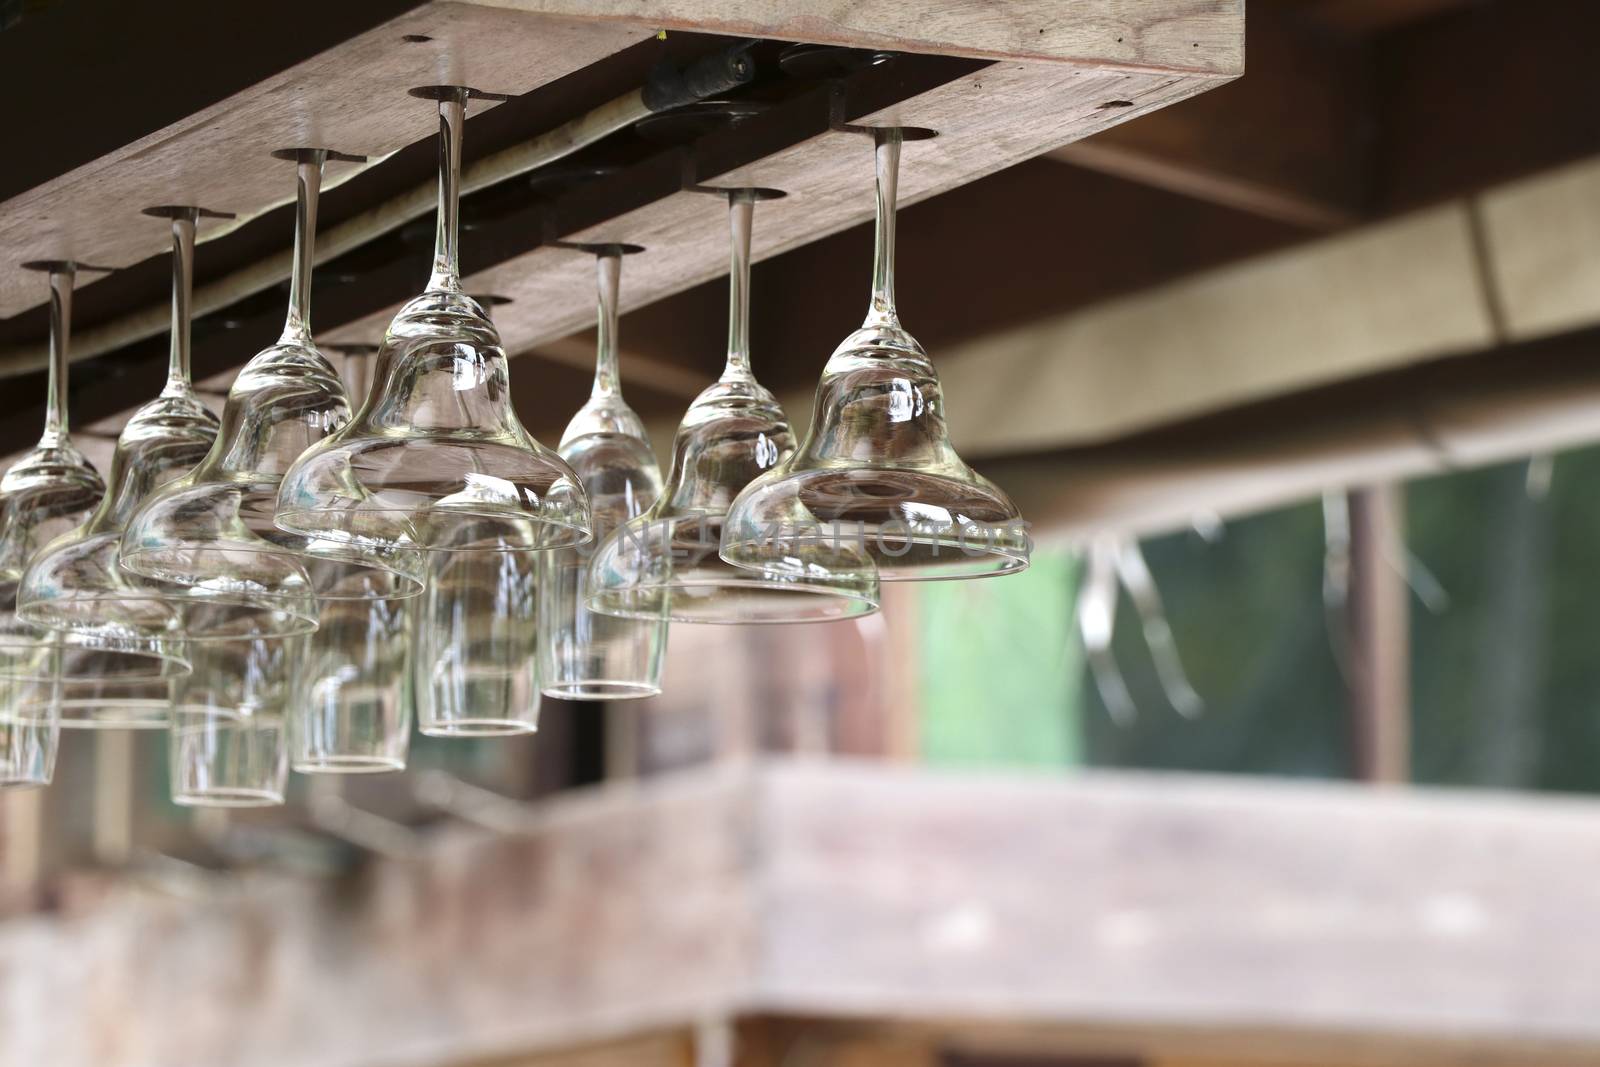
300	518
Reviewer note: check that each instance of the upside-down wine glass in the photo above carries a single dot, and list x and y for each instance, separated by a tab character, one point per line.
664	563
474	641
349	713
76	584
436	456
209	536
53	487
226	745
584	655
50	490
876	472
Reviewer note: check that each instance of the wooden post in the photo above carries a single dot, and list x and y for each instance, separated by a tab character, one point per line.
112	835
22	843
1380	636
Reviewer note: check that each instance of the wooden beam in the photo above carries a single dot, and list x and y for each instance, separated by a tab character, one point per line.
218	156
826	174
1177	35
1434	417
975	107
870	908
133	75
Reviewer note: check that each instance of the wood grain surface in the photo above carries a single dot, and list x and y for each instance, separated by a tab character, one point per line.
1179	35
1157	916
351	98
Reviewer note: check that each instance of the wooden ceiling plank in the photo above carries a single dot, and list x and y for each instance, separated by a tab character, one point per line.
351	98
829	182
1198	36
990	118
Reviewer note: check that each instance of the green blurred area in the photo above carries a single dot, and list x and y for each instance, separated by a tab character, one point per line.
1505	676
1001	669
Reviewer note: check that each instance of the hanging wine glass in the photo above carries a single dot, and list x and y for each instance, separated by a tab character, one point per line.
209	536
116	653
664	564
53	487
226	746
876	471
47	492
473	640
77	583
584	655
436	453
349	714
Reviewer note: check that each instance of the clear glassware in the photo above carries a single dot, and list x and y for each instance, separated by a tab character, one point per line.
50	490
114	654
664	564
30	732
227	745
584	655
474	644
209	536
76	583
351	713
876	472
437	451
53	487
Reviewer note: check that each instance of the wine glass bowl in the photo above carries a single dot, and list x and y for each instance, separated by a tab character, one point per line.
584	655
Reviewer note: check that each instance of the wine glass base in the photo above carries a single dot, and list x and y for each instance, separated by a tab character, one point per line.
930	561
597	689
479	728
349	765
733	599
152	716
229	798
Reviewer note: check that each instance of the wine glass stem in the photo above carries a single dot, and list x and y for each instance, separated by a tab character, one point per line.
608	278
446	257
182	292
55	411
308	187
888	167
741	214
